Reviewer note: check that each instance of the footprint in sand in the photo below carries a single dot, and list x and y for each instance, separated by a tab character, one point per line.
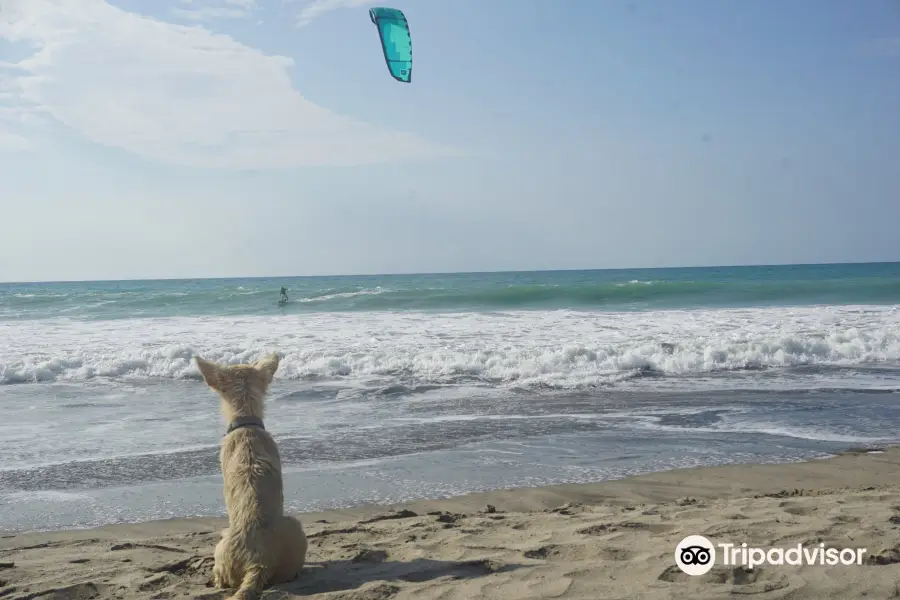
757	581
604	528
798	509
567	553
79	591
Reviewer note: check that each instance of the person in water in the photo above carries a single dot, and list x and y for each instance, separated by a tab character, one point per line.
284	297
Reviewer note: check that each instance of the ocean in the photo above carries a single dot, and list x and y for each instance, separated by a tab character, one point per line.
402	387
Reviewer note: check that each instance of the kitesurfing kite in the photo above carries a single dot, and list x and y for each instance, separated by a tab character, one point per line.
393	29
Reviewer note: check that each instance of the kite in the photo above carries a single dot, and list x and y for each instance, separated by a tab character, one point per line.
393	29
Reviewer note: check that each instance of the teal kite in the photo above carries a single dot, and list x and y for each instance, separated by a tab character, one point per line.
393	29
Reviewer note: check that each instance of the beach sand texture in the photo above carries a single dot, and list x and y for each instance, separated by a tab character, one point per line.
610	540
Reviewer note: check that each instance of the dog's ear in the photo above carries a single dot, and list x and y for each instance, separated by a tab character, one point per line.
268	366
212	373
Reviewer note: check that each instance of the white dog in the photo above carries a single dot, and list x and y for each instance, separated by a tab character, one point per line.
261	546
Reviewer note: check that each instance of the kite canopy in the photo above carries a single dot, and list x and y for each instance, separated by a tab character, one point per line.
393	29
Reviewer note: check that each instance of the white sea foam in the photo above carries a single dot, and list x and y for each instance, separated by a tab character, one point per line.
555	349
363	292
635	282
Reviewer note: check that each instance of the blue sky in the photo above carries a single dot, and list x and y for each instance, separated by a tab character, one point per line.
210	138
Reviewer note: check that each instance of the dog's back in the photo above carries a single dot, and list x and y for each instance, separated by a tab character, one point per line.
261	545
251	467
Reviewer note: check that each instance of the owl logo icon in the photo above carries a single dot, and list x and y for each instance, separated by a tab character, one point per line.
695	555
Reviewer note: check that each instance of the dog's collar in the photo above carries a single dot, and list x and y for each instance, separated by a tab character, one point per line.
245	422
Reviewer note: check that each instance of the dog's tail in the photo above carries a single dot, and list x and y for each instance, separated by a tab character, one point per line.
252	585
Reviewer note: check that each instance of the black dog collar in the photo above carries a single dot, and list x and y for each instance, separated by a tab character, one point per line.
245	422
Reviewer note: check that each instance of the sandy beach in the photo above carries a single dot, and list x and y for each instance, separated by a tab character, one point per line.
611	540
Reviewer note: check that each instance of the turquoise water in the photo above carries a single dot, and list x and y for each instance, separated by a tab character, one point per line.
614	290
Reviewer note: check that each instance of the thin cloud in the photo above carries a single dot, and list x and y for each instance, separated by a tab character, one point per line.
317	8
177	94
13	142
216	9
13	112
211	12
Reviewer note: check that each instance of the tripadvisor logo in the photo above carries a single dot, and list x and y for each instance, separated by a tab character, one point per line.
696	555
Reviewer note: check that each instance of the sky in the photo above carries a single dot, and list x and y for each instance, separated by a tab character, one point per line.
217	138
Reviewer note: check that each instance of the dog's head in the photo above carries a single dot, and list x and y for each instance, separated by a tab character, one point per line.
242	388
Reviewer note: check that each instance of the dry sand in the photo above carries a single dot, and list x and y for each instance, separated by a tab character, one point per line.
611	540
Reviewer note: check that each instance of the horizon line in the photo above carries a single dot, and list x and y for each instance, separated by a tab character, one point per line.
426	273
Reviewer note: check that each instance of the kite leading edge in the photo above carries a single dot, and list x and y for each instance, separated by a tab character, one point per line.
393	29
